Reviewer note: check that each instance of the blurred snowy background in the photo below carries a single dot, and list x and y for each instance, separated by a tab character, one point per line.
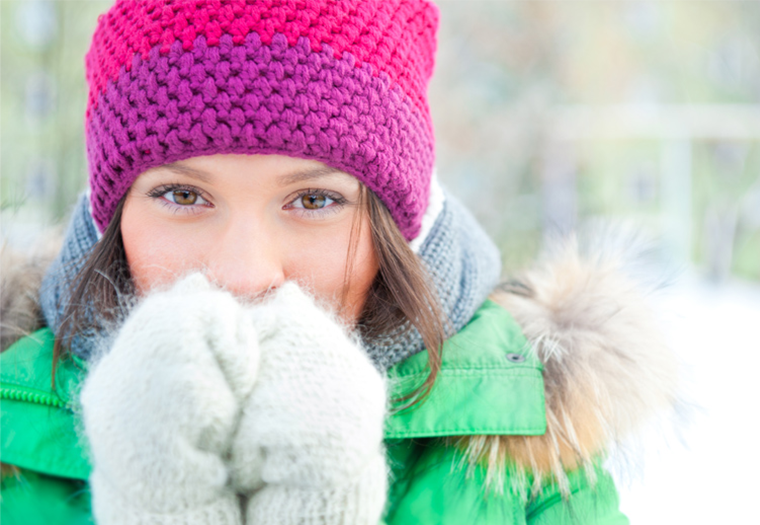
548	115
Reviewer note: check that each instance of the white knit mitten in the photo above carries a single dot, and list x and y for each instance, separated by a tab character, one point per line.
310	439
161	406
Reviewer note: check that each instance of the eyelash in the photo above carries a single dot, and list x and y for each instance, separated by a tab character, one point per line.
338	201
158	193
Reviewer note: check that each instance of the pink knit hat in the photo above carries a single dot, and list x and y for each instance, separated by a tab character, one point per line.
343	82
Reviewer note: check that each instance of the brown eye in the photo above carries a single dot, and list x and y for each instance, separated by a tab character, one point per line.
313	201
184	197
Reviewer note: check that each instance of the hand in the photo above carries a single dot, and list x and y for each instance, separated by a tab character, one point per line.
310	438
161	406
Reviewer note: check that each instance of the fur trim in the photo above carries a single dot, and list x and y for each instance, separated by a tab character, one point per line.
20	281
607	367
9	471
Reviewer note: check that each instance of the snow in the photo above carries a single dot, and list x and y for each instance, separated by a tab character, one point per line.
712	476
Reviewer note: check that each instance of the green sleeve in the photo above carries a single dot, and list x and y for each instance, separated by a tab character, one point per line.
588	504
30	498
431	485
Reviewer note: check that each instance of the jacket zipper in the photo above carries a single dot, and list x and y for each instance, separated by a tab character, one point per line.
40	398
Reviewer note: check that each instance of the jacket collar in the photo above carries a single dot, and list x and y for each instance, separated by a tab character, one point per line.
490	382
45	434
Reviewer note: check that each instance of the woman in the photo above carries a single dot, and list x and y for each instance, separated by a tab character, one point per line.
262	244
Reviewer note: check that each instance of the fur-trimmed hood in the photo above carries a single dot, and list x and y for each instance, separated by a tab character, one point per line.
607	367
21	276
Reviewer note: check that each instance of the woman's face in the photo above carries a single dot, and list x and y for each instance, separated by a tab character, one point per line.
250	222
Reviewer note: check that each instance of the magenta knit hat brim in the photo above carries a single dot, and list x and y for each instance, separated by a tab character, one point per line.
255	86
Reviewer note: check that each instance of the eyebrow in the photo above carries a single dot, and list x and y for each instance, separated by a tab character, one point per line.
307	174
202	176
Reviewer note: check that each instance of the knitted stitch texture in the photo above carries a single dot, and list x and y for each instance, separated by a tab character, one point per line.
464	265
161	407
309	444
342	82
202	399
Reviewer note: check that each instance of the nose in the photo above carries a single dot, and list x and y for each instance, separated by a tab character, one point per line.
245	260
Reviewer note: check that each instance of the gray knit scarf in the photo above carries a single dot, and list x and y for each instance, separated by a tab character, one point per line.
463	262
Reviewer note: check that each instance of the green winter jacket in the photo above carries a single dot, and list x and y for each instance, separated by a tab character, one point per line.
489	384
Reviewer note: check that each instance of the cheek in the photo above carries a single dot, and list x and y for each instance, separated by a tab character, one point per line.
324	268
151	252
141	256
364	272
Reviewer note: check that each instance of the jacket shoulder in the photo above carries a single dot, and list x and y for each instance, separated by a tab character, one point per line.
489	383
39	421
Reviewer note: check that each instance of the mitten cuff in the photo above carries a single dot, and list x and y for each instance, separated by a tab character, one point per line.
357	502
111	508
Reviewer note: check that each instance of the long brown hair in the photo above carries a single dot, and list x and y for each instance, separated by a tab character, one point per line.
97	291
400	297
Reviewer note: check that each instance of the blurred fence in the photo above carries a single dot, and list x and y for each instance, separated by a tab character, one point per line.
548	114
